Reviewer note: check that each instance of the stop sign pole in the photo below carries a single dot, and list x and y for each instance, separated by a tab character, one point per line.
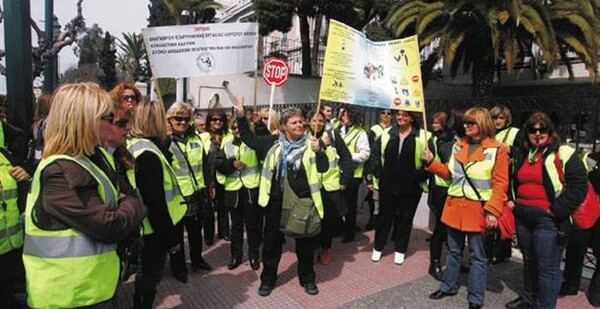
275	73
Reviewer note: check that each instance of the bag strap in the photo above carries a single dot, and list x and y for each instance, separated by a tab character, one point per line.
471	183
506	135
559	168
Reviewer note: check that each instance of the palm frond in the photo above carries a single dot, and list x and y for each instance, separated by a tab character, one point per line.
431	13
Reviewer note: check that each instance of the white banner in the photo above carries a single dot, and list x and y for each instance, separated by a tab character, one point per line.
201	49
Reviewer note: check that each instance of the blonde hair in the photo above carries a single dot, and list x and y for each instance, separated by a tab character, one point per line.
180	108
481	116
74	119
149	120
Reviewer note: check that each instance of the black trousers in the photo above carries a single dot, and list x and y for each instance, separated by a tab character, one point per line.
12	280
577	247
436	200
153	257
207	216
330	217
272	247
397	210
222	212
244	210
350	198
193	226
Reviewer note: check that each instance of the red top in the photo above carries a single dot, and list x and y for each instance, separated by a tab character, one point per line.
531	190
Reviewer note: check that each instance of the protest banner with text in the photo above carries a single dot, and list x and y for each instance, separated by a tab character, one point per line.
202	49
375	74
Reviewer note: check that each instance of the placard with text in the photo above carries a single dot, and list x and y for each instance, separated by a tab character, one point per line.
201	49
375	74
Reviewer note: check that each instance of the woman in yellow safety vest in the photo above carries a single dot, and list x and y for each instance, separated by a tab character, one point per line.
188	158
13	188
478	170
340	172
441	145
238	171
294	157
75	214
155	179
549	182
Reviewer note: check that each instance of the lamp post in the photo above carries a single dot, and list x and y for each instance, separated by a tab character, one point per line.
52	30
19	81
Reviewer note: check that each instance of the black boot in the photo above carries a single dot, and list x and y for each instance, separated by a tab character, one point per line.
435	270
143	300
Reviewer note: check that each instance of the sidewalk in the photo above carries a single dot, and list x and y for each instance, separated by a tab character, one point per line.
352	280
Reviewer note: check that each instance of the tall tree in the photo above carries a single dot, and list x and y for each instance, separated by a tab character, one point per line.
89	46
198	11
107	60
159	14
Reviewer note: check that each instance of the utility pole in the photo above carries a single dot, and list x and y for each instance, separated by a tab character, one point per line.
19	75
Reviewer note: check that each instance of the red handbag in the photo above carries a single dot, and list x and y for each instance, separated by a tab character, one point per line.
588	212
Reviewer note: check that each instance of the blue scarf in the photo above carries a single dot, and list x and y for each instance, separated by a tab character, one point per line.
291	154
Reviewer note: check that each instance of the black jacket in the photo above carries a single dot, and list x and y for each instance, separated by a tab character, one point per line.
574	191
399	175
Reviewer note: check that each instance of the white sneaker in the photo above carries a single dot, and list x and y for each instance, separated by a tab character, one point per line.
376	256
399	258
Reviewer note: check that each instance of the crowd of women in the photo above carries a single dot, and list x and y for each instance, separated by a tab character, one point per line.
117	180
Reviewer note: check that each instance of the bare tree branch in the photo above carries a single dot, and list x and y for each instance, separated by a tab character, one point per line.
1	15
45	52
40	33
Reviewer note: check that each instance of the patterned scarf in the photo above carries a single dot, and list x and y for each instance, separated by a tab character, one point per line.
291	154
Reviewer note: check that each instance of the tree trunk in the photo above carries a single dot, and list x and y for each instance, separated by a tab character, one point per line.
305	39
316	45
483	75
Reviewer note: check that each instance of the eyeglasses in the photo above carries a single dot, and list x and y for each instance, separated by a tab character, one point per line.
216	119
541	130
180	119
121	123
386	113
109	117
129	98
469	124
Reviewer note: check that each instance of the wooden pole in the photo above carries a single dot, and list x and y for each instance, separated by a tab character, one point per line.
424	113
157	90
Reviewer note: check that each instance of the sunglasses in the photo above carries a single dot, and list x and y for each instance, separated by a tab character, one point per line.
109	118
121	123
469	124
129	98
386	113
542	130
216	119
180	119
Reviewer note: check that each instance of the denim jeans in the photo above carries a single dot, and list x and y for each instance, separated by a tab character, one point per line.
477	261
537	234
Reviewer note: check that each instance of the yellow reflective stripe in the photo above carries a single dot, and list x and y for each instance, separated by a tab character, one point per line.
64	246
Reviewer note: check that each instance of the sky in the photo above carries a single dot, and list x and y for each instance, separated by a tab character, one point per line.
114	16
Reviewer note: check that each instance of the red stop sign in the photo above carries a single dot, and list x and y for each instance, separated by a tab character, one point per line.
275	72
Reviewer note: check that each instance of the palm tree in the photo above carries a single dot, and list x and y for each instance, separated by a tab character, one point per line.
577	26
477	33
132	56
